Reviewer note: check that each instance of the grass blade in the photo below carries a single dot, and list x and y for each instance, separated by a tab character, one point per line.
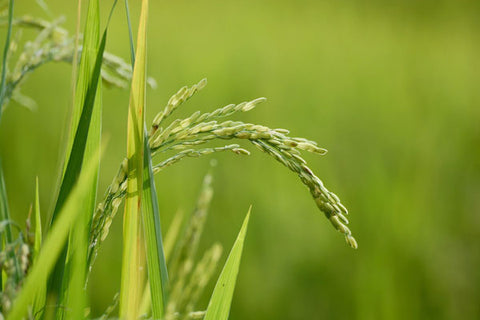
90	47
74	294
220	302
76	158
55	241
156	258
38	222
79	144
156	263
40	296
75	57
78	151
71	279
130	33
170	240
131	279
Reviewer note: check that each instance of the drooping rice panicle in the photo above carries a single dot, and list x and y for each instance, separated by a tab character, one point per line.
326	201
186	135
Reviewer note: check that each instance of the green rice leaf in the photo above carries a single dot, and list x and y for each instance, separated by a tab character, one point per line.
155	291
72	279
76	294
131	280
80	148
168	244
55	241
130	33
221	300
38	222
90	48
75	161
156	263
40	296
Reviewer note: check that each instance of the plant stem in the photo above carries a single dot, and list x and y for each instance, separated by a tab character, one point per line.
3	85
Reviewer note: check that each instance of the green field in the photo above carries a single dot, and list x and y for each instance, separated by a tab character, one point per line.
390	88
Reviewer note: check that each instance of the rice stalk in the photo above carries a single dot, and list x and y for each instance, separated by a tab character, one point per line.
3	75
132	276
155	293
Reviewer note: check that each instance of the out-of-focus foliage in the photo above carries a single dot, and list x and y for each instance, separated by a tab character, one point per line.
388	87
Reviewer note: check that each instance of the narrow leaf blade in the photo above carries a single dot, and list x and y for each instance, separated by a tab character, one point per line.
220	302
156	263
73	294
75	160
41	294
38	222
54	243
131	279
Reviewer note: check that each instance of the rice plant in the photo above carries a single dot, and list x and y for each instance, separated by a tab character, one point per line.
44	267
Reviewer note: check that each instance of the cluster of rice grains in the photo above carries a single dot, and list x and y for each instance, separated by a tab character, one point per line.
186	137
52	44
15	259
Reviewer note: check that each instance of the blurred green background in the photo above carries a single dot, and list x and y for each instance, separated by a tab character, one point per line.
390	88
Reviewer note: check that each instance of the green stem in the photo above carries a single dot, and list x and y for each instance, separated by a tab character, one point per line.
5	216
3	84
